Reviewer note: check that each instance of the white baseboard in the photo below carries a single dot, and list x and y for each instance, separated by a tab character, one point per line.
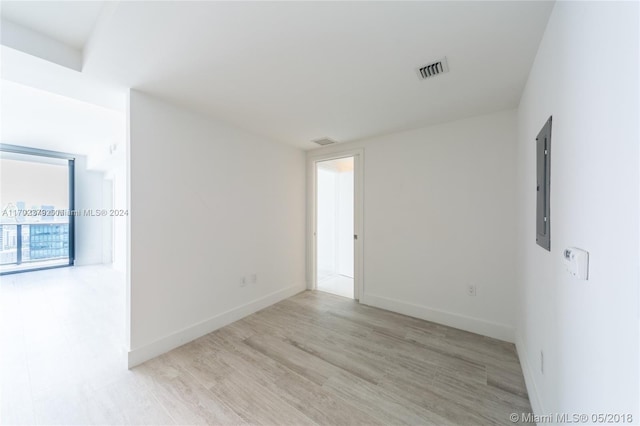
463	322
532	390
139	355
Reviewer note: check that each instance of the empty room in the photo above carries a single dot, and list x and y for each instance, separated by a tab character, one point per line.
329	213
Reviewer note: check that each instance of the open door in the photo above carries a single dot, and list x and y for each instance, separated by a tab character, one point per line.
336	240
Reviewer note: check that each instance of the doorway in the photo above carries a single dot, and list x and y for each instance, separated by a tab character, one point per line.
335	262
335	236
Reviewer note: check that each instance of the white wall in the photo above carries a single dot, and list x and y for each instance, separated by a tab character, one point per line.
327	226
335	221
209	204
586	76
118	177
89	229
112	161
439	206
344	218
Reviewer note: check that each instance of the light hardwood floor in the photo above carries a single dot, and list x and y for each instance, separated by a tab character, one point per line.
315	358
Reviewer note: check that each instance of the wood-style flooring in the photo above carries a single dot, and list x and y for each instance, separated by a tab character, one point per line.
315	358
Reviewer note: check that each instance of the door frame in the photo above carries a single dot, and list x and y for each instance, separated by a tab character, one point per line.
358	212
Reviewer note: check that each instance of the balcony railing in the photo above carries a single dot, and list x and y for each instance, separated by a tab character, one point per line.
31	245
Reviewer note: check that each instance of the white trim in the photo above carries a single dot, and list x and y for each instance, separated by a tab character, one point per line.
452	319
127	265
532	390
139	355
358	212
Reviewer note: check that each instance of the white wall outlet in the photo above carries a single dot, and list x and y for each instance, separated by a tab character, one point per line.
254	278
576	262
243	281
471	290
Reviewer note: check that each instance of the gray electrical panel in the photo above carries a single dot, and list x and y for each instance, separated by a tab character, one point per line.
543	174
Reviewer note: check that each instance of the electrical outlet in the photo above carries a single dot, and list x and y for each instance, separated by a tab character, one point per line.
243	281
471	290
254	278
541	362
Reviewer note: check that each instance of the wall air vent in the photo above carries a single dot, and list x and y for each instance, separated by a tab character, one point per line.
324	141
433	69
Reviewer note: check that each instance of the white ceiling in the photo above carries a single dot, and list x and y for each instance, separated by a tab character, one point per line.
39	119
297	71
69	22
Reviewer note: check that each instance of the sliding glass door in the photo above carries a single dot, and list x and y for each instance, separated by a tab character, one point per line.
36	209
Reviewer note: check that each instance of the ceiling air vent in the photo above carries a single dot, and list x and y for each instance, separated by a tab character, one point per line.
433	69
324	141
